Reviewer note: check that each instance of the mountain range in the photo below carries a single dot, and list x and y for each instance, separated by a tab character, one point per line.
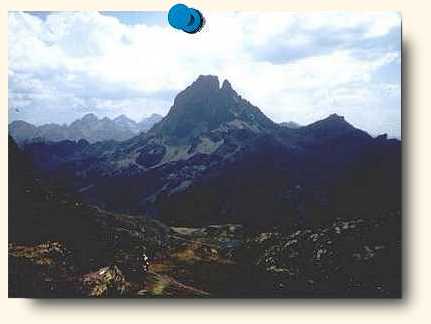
216	158
89	128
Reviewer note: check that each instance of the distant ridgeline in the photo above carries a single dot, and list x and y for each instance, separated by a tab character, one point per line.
89	128
216	158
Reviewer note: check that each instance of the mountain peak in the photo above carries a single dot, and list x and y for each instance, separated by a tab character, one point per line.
207	81
89	117
124	121
226	85
147	122
226	88
332	121
204	107
122	117
335	117
20	122
334	125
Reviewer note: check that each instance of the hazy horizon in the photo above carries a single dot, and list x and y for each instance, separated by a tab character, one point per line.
294	67
84	114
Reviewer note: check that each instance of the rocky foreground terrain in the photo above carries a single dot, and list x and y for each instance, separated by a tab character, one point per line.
343	259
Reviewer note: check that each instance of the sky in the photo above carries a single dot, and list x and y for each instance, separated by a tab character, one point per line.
293	66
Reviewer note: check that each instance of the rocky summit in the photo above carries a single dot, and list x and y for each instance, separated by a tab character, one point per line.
205	106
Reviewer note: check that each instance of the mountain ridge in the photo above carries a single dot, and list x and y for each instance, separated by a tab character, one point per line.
89	127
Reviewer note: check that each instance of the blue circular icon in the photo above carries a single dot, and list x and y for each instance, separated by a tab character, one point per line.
195	23
187	19
179	16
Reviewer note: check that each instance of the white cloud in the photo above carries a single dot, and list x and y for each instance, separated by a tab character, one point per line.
293	66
